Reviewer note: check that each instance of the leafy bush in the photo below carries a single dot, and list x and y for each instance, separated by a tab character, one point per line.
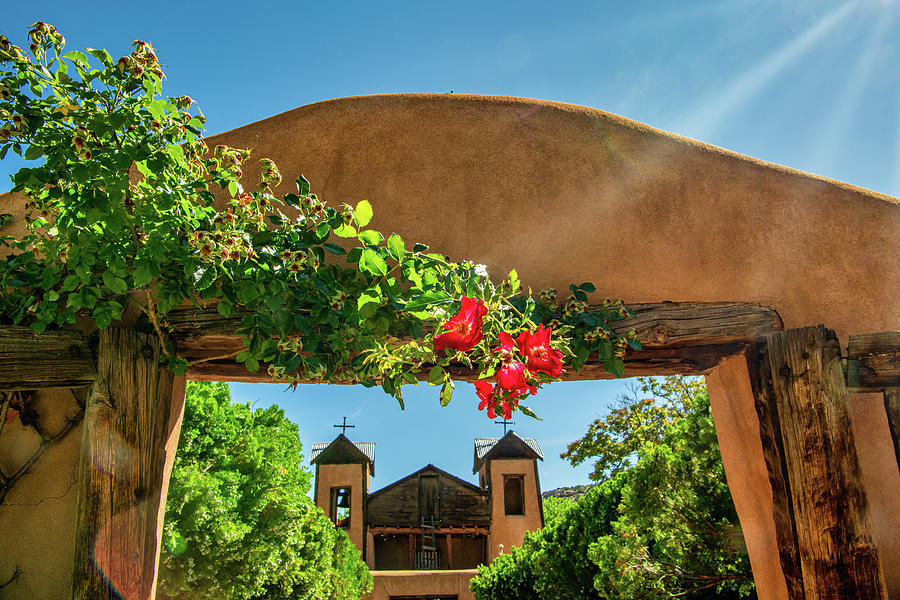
239	523
661	526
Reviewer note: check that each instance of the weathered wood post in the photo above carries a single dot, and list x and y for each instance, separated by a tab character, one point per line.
824	534
132	415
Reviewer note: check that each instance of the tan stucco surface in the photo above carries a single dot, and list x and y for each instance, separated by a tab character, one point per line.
881	479
388	584
737	431
329	476
509	530
37	518
566	194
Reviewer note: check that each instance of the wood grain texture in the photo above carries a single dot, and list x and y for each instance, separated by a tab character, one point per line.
121	470
677	338
873	361
837	555
776	464
53	359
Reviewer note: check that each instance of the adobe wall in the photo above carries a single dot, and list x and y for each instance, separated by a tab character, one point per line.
37	518
509	530
388	584
567	194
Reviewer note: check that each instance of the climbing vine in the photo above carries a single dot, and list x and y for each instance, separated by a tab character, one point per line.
126	204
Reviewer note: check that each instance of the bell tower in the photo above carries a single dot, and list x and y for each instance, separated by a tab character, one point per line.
507	468
343	469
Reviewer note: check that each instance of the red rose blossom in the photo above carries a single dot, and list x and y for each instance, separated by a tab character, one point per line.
535	347
485	391
511	376
464	328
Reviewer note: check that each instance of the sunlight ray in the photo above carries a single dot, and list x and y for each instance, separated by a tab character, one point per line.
827	147
704	121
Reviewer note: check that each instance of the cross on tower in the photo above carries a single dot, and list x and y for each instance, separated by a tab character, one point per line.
345	427
504	422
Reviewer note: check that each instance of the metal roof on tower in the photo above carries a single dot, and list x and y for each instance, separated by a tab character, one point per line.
512	445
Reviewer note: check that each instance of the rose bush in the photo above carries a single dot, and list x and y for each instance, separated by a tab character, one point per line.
127	206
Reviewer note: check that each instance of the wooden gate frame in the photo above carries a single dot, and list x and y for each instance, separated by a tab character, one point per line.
796	380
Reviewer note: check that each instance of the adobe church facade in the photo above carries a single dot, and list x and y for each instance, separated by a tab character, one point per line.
425	534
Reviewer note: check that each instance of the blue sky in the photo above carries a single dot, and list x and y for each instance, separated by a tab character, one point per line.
811	84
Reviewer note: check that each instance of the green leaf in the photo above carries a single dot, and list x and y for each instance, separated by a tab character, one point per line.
447	392
78	57
354	255
116	284
514	282
70	283
371	262
369	302
363	213
204	277
302	186
616	366
323	230
370	237
529	413
142	276
396	247
588	287
101	55
419	248
436	375
334	248
225	307
428	299
252	365
345	231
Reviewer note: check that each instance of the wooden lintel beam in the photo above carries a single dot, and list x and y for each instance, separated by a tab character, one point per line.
678	338
873	361
52	359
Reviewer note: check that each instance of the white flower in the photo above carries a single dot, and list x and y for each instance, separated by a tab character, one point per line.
481	270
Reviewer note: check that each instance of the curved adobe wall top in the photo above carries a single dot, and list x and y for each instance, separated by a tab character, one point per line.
568	194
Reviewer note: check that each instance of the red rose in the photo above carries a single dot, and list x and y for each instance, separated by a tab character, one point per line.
511	376
535	347
464	329
485	391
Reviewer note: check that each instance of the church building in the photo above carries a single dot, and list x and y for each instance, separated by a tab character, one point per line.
424	535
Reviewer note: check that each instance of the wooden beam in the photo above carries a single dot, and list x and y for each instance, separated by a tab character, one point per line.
390	530
873	361
121	474
892	408
678	338
449	551
30	361
812	458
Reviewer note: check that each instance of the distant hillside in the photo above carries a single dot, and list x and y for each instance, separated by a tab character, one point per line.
572	492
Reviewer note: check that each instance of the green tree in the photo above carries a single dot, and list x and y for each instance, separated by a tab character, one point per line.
553	563
239	523
677	532
660	525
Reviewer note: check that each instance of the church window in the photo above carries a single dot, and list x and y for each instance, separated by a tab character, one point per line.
340	506
514	494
